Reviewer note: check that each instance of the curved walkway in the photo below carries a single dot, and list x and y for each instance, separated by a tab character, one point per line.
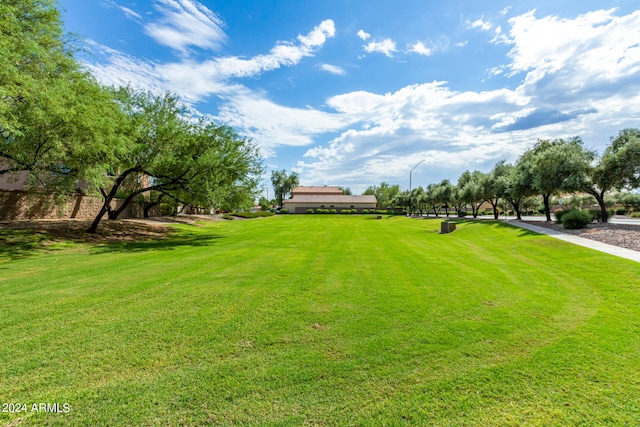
581	241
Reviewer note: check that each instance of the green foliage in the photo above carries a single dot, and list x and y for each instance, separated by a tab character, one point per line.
283	184
55	120
559	213
198	163
345	211
595	214
621	211
310	211
227	216
575	219
365	211
385	194
258	214
284	211
333	211
635	215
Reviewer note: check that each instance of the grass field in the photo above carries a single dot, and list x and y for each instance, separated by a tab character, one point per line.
321	320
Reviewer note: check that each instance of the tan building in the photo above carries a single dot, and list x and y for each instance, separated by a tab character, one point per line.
326	197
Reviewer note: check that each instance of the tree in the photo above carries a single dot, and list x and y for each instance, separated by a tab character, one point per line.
194	163
554	166
345	190
472	189
619	167
55	121
495	185
517	188
283	184
384	193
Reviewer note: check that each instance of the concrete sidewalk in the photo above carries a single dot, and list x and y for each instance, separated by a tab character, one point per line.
581	241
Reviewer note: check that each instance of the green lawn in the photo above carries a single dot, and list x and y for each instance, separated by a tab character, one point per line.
321	320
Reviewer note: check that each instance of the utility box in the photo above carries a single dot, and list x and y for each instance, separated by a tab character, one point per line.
447	227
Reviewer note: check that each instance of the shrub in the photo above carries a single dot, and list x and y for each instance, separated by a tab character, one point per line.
251	214
365	211
596	214
574	219
310	211
635	215
227	216
284	211
333	211
462	214
621	211
345	211
560	213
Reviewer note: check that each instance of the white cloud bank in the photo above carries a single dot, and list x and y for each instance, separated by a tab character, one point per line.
578	76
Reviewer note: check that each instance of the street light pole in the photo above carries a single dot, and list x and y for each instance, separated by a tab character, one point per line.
411	196
412	171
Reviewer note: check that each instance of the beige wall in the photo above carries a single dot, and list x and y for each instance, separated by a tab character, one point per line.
302	207
24	205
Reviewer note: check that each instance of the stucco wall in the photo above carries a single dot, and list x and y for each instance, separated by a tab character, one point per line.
23	205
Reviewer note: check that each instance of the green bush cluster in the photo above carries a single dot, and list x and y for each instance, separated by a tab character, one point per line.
574	219
227	216
635	215
621	211
310	211
284	211
249	214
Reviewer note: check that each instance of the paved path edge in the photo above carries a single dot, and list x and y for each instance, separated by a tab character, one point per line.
580	241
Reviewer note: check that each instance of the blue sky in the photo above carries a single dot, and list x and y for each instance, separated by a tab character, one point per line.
354	93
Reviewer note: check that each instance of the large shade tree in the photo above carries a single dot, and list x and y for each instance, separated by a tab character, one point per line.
553	166
199	163
55	121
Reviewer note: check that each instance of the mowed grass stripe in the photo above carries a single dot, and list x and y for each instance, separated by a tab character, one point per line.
333	320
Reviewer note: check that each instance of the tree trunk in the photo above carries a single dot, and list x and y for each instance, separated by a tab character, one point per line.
151	206
547	211
603	209
96	221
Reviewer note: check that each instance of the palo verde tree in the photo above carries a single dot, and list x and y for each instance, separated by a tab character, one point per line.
166	152
283	184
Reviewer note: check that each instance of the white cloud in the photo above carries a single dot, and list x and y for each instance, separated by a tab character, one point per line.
197	80
480	23
386	46
363	35
420	49
186	23
272	125
333	69
129	13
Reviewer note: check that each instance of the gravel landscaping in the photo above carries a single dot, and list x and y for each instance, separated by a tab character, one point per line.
621	235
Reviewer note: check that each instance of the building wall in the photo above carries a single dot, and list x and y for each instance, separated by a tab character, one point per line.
24	205
303	207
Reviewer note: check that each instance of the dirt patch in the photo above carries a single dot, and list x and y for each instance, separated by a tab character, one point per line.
127	230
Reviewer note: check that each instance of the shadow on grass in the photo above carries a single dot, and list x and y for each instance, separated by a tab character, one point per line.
497	225
23	239
482	223
177	240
